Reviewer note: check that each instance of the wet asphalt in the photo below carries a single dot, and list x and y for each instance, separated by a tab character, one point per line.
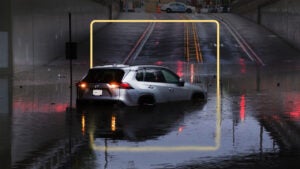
256	124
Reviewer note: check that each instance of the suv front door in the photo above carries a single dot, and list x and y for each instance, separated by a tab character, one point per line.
177	90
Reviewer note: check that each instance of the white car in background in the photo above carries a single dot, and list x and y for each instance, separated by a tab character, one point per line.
177	7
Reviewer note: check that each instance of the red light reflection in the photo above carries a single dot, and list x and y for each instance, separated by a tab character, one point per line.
159	63
242	107
243	65
276	118
39	107
192	73
180	129
295	115
292	105
179	71
157	42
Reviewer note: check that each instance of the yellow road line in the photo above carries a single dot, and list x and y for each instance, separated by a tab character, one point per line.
195	42
191	32
197	45
187	43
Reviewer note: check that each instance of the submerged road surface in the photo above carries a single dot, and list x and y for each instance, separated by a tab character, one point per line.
255	123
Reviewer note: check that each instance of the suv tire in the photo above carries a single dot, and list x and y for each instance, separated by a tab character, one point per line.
146	100
198	97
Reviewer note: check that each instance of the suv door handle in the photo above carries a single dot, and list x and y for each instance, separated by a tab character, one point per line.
150	87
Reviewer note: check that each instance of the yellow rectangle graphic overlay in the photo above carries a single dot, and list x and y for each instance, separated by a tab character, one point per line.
218	94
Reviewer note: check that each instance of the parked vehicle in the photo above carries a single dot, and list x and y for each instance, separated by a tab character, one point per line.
136	85
177	7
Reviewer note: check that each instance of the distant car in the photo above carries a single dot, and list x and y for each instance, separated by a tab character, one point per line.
177	7
136	85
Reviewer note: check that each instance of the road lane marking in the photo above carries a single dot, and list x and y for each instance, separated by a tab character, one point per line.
192	44
187	43
139	45
242	42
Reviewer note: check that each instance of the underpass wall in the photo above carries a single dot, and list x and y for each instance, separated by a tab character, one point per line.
40	28
280	16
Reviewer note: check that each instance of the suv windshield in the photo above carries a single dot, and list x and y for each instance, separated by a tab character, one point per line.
104	75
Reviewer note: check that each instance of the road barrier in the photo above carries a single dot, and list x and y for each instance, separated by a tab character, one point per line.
158	9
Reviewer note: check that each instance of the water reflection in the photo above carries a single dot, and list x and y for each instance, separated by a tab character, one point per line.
39	123
292	106
256	124
5	121
259	79
280	116
133	124
242	107
111	131
260	125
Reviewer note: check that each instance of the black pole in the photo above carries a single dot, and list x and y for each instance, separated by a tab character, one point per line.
110	10
71	80
71	72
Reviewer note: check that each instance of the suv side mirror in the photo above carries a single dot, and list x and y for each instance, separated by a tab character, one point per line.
181	82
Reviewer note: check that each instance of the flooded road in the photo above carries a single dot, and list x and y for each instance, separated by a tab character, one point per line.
254	123
257	126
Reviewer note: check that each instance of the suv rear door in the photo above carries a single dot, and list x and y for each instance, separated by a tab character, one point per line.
99	81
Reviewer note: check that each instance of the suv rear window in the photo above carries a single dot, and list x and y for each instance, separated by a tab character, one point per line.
104	75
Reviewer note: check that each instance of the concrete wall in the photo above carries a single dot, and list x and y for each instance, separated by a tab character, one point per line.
283	17
280	16
40	28
5	122
5	84
5	37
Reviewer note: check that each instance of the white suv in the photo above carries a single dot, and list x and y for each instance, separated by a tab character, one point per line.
136	85
177	7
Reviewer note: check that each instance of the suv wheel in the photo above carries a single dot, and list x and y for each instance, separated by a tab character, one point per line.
198	97
169	10
146	101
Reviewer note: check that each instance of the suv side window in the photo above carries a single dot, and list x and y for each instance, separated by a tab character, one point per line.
170	77
150	75
139	75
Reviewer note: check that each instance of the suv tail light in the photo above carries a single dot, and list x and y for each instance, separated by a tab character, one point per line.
125	86
114	85
82	85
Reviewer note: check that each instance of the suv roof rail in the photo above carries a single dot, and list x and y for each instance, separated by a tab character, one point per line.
113	65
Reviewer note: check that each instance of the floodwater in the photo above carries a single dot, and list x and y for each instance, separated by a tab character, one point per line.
258	126
253	124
